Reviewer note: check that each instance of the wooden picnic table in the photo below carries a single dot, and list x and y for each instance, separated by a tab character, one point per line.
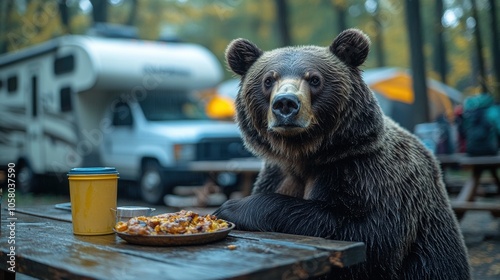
247	167
46	248
478	166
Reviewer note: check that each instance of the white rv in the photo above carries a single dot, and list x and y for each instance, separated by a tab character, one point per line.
131	104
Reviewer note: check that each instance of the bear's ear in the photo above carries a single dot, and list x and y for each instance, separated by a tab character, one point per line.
351	46
241	54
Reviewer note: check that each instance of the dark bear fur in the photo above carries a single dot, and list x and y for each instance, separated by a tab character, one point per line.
336	167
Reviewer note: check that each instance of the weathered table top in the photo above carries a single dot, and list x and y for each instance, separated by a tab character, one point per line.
46	248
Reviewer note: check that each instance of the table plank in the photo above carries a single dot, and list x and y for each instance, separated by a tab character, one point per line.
55	251
46	211
449	159
480	161
337	249
460	207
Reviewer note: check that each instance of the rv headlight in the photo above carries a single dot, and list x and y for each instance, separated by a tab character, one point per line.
184	152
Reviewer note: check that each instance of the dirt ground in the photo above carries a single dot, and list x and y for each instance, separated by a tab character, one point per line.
482	236
481	232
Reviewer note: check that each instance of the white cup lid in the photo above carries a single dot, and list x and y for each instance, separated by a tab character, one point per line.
133	211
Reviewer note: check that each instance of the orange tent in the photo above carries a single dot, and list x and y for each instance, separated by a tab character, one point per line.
393	87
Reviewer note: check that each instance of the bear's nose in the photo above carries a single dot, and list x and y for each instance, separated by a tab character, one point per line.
286	105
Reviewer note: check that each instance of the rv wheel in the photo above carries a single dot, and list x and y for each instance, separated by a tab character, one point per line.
152	183
26	182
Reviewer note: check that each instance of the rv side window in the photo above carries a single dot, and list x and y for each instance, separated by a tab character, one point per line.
64	64
65	98
122	116
12	84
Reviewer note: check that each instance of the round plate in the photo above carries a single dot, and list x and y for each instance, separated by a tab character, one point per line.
176	239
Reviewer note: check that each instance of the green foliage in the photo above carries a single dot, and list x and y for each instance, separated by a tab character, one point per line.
36	22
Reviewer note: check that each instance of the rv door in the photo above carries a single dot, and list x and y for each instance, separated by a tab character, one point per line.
34	142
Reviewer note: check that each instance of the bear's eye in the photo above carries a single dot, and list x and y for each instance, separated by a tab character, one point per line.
315	81
268	82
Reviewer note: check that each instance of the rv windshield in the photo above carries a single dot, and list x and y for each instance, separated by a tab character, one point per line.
167	106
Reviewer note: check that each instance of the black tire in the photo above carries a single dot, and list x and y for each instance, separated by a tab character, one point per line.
25	178
152	182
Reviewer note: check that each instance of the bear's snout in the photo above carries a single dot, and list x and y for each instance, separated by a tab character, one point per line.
289	111
285	107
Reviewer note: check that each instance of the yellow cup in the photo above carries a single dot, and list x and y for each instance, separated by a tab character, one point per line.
93	193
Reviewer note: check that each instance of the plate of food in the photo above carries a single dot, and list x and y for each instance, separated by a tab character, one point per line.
173	229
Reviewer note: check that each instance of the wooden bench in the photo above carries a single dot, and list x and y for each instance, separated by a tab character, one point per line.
460	207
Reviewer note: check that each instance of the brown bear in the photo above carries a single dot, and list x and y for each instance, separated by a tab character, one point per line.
336	166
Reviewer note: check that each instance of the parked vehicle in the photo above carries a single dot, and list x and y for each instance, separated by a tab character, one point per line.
131	104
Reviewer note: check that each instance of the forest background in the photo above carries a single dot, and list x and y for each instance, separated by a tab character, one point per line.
454	52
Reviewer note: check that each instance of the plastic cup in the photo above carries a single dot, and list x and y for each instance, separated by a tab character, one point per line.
93	193
124	213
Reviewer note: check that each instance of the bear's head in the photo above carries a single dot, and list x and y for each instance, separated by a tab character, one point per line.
298	102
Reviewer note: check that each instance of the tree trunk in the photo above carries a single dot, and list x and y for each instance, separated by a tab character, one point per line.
479	48
64	13
133	13
5	10
440	50
282	15
341	18
495	47
379	39
420	105
99	10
